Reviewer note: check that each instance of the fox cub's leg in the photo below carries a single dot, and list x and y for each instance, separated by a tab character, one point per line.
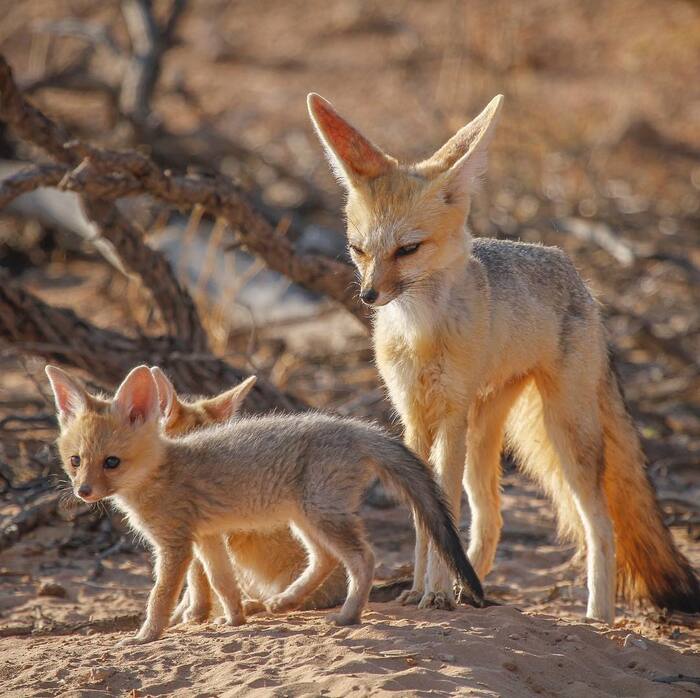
179	612
320	565
447	458
344	536
213	553
418	440
573	426
198	594
170	568
482	476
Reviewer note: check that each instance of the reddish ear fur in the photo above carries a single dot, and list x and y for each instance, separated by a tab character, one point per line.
224	406
166	391
462	160
137	397
349	151
69	395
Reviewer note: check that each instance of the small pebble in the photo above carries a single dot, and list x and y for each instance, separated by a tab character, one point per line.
510	666
632	641
52	589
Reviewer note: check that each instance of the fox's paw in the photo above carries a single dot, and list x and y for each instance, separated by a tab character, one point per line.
410	597
343	619
253	606
233	620
281	603
440	600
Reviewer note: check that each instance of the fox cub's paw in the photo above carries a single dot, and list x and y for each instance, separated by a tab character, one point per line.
196	614
343	619
410	597
280	603
441	600
234	620
139	639
252	606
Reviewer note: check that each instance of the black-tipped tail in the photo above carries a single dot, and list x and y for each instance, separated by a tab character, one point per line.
399	467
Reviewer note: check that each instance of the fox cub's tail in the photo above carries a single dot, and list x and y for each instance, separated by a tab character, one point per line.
649	565
405	473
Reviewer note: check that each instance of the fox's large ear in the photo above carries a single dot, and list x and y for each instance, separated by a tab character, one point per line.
226	405
352	157
136	399
167	397
70	397
462	160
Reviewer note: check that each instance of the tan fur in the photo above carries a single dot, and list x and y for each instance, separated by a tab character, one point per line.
188	495
267	562
505	339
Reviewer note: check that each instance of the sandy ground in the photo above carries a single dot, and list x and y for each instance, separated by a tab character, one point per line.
578	77
536	643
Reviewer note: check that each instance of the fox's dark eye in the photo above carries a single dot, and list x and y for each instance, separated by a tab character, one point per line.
406	250
111	462
75	461
357	250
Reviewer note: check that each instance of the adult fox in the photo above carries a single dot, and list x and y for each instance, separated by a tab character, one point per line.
483	339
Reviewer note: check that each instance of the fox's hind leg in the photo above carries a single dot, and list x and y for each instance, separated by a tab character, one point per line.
573	425
320	565
214	555
343	535
482	476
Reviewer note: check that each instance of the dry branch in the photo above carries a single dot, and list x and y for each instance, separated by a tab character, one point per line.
174	302
148	44
105	174
59	334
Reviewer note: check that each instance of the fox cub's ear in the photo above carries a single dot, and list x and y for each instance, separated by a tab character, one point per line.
136	399
226	405
70	397
463	159
352	157
167	397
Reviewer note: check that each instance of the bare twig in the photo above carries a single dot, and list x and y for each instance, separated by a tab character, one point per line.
173	300
105	174
58	334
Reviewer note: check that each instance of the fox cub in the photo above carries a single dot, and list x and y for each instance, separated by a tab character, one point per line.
187	495
266	562
483	340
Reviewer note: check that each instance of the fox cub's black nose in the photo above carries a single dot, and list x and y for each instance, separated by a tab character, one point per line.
369	296
84	490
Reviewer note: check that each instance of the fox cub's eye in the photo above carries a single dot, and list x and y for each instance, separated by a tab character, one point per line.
75	461
406	250
357	250
111	462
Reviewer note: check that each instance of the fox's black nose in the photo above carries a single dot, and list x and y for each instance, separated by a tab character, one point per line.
369	296
84	490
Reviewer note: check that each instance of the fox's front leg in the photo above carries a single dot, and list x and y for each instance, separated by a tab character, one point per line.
417	439
482	476
170	568
447	457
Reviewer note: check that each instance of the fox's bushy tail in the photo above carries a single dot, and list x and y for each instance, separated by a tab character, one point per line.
400	469
649	565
